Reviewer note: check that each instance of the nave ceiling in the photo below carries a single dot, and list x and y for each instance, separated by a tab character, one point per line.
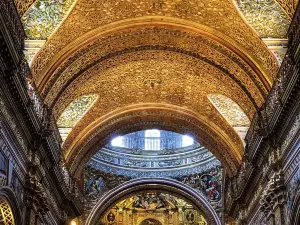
153	61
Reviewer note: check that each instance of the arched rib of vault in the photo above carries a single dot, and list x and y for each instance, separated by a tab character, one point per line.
161	184
176	82
130	73
102	49
145	116
265	67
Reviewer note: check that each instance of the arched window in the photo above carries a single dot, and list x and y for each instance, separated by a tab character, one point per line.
152	140
6	214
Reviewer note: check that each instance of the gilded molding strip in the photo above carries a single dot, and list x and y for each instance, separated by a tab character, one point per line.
289	6
23	6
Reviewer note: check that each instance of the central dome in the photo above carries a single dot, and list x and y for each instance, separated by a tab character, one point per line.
153	153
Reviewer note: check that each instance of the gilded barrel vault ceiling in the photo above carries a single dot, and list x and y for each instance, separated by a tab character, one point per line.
165	43
89	15
158	64
159	52
177	84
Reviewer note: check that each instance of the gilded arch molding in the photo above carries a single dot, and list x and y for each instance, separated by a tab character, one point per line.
176	27
210	14
161	184
138	117
23	5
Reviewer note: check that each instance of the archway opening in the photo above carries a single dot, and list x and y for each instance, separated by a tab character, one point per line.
153	207
166	200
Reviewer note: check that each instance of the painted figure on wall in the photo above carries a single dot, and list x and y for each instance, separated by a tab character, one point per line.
95	185
210	186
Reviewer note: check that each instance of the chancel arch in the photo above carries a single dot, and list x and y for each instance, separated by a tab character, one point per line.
158	186
81	145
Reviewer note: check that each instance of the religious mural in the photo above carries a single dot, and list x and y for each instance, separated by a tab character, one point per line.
153	208
209	183
95	185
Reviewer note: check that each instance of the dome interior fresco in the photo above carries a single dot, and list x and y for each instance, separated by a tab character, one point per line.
141	154
156	62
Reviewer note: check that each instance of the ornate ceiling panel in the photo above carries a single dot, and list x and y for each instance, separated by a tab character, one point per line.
229	110
44	16
219	16
76	110
266	17
73	113
164	44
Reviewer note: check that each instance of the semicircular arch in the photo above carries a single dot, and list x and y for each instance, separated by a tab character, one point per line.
162	184
146	116
60	62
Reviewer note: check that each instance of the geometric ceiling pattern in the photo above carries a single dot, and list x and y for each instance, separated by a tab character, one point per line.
153	64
